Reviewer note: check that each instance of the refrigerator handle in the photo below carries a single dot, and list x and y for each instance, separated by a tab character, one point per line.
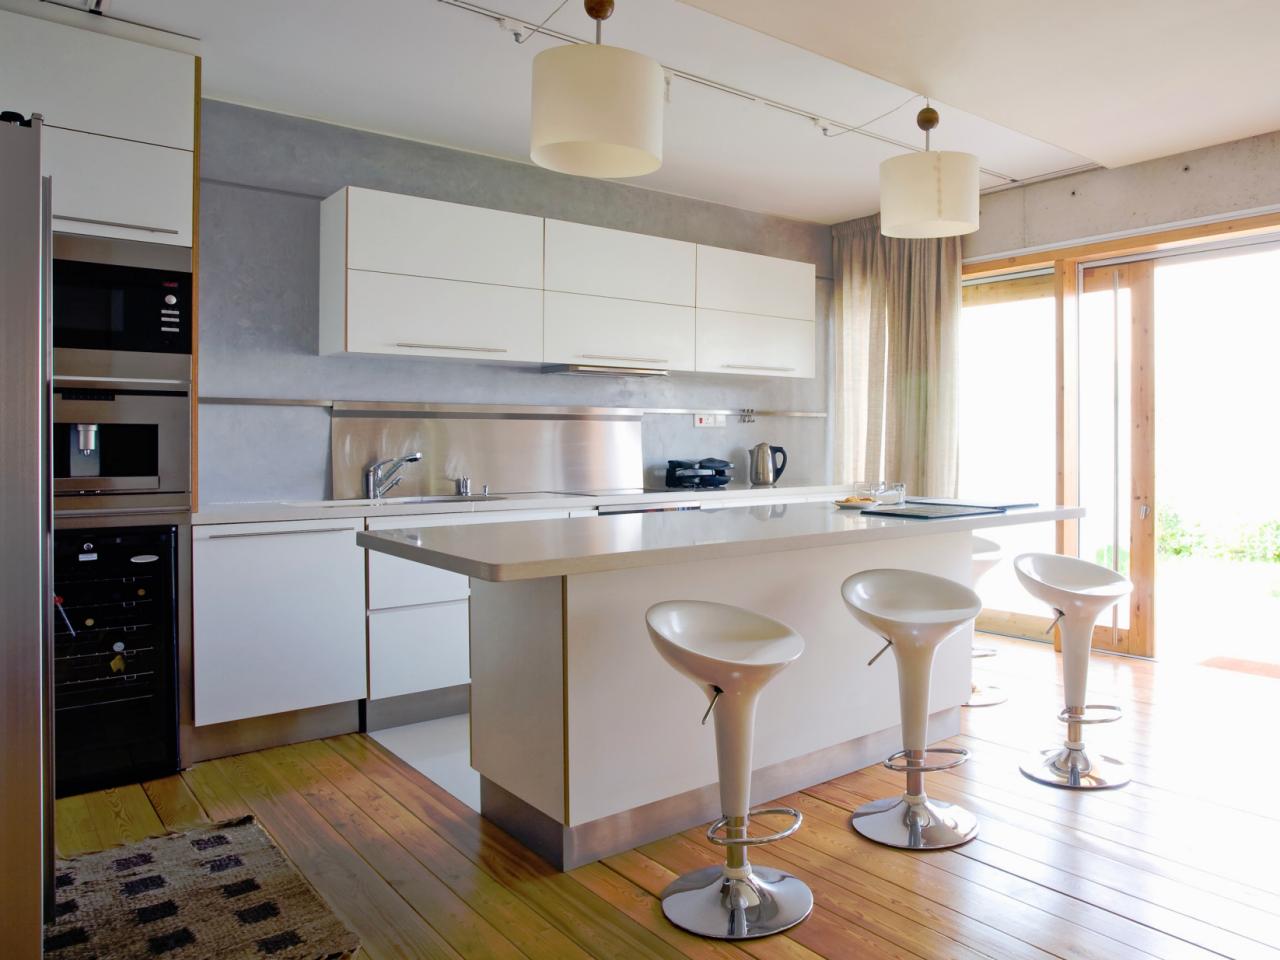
46	508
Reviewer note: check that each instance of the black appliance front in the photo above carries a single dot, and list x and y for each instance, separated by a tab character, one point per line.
115	656
106	306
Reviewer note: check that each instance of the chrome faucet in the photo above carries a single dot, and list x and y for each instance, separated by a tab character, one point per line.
381	477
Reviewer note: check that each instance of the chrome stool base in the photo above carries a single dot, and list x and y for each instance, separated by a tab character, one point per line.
1074	769
710	904
985	696
920	824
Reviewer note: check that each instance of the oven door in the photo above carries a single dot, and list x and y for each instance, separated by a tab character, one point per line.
113	439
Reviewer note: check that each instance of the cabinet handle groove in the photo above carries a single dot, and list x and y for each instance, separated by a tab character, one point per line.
606	356
755	366
114	223
277	533
449	346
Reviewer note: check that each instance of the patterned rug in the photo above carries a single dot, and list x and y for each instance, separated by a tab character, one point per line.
222	891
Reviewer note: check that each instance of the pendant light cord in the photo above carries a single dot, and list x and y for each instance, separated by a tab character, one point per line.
547	19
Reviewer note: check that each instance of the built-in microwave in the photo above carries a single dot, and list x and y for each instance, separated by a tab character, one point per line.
121	296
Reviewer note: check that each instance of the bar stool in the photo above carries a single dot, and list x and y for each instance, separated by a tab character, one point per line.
987	554
1079	592
731	653
914	613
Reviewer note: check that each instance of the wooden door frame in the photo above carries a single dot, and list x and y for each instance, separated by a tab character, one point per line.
1067	263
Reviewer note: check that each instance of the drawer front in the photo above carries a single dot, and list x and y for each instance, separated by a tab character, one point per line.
616	263
418	648
752	345
451	241
104	187
749	283
600	330
417	316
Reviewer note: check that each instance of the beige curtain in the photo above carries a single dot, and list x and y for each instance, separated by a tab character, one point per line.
896	316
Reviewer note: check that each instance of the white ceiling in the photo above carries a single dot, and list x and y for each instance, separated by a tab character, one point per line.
428	71
1117	81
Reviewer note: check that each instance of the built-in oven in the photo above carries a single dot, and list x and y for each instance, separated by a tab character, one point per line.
121	296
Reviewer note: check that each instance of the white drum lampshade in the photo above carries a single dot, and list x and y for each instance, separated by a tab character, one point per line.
929	194
597	111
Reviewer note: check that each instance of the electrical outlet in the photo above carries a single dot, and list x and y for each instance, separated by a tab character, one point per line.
708	419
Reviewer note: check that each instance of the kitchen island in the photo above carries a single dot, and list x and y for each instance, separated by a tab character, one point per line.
587	743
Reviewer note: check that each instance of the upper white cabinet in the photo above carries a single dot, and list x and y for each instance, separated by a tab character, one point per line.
393	233
417	277
278	617
120	127
749	344
749	283
117	188
602	331
615	263
87	81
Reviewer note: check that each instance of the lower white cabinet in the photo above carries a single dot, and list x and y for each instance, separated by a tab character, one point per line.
748	343
105	187
278	617
619	333
419	629
412	649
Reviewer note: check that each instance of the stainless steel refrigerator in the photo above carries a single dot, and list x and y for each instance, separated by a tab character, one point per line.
26	533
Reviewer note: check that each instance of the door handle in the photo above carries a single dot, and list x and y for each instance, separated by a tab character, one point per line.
1144	511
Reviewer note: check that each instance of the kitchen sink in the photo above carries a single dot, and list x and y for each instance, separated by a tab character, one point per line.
389	501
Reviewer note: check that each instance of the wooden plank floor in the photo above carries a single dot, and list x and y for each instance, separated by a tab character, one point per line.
1181	864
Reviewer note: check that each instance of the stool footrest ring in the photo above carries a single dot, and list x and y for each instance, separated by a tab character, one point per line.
756	841
1113	713
961	756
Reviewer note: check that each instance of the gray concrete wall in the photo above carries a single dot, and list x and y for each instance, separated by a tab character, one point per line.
263	176
1213	183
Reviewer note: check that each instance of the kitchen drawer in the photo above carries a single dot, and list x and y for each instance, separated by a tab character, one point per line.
395	582
104	187
413	649
749	283
451	241
617	263
745	343
608	332
418	316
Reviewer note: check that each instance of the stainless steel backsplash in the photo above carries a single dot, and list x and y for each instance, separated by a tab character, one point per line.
510	448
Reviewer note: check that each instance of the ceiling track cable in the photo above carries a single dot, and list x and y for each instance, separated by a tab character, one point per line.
518	27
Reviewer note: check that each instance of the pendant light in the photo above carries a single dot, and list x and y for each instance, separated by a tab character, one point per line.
929	194
597	110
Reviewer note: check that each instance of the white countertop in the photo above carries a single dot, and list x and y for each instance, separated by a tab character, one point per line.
552	548
281	511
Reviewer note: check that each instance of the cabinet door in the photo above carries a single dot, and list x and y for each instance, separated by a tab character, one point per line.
615	263
104	187
83	80
749	344
600	330
278	618
412	649
417	316
749	283
450	241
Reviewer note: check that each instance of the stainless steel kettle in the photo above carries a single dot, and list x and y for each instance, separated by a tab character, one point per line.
765	468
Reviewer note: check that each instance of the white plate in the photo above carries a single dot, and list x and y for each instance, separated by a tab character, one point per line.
853	506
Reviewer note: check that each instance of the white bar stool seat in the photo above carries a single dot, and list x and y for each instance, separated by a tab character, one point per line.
914	612
1079	592
987	555
731	653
